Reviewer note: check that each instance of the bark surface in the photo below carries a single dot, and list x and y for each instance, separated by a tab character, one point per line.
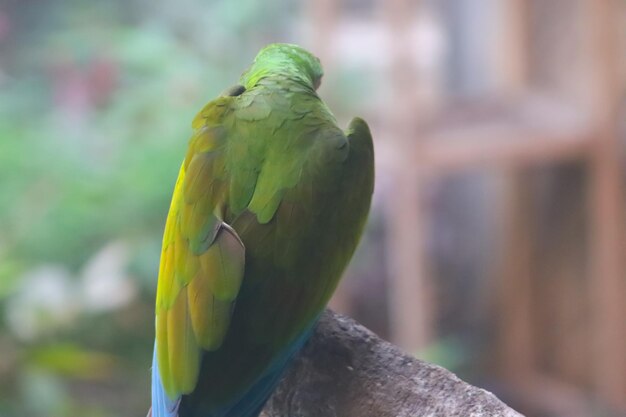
347	371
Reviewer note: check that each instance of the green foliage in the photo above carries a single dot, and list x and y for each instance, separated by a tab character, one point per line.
96	101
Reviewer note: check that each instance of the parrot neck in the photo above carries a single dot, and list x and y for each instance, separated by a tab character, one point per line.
285	72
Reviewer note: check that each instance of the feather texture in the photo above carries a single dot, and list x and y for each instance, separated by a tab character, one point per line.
268	208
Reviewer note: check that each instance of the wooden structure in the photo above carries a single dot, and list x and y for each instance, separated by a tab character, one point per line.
553	109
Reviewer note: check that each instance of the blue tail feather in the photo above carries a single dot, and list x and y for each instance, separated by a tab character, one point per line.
162	405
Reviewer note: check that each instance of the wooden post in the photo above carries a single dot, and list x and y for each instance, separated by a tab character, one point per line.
607	279
515	274
411	301
513	63
515	309
410	293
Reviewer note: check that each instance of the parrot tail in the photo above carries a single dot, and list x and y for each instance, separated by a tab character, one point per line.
162	405
249	404
253	401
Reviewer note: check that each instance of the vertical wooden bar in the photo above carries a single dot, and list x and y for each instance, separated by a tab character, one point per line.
411	301
607	273
605	193
513	46
515	308
410	295
515	327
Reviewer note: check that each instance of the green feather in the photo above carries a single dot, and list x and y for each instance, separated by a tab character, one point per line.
268	208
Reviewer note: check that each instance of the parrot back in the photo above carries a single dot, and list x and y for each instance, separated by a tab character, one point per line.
298	192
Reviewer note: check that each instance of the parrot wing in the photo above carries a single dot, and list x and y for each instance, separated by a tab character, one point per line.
202	259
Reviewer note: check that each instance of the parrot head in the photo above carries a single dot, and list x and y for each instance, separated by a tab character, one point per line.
287	59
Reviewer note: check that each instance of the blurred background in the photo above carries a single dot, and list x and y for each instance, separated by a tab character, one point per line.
495	244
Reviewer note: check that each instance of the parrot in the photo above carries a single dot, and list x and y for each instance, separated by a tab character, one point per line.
270	203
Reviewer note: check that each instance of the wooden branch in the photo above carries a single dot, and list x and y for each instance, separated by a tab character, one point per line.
347	371
514	133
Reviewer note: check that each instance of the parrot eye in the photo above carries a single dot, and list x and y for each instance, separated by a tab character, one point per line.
317	82
234	91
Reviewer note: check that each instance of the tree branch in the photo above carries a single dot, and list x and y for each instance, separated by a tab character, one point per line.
347	371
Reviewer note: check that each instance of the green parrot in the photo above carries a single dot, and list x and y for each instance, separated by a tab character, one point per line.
268	208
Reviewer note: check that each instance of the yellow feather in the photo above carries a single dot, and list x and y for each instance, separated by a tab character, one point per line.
168	287
210	317
186	264
201	267
198	224
183	350
223	264
198	173
170	223
206	140
162	353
